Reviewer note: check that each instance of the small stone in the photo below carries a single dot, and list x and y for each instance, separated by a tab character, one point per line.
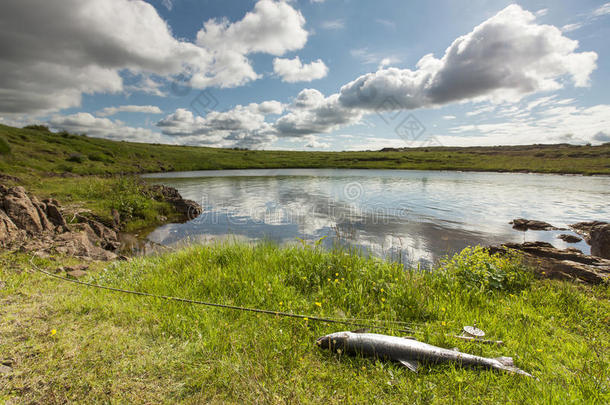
5	369
76	273
569	238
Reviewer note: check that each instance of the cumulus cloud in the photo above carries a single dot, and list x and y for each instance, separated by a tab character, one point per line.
103	128
313	113
273	27
504	58
147	109
53	52
293	70
242	126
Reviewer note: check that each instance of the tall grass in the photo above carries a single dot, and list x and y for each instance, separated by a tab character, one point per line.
128	348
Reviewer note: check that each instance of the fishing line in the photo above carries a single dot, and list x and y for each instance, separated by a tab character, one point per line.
360	323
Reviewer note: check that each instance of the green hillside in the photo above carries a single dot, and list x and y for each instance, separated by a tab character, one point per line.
38	151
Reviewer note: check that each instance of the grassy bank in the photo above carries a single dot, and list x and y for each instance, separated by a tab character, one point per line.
69	343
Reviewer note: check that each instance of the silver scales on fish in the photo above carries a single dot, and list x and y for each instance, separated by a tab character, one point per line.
410	352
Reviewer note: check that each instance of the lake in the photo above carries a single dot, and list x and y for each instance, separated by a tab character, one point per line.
411	216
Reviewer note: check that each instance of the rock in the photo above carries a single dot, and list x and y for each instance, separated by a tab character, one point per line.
82	241
25	213
551	262
5	369
600	240
522	224
188	208
76	273
80	267
569	238
54	213
8	229
584	228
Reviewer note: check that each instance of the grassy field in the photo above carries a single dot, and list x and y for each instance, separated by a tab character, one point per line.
69	343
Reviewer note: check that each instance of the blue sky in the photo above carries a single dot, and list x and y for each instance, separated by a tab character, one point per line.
125	70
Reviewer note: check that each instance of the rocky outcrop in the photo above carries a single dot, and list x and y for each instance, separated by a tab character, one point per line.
188	208
596	234
29	224
522	224
569	264
600	240
26	213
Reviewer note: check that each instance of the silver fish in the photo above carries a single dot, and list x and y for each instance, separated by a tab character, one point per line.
408	352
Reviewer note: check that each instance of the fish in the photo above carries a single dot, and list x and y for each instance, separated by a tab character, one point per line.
409	352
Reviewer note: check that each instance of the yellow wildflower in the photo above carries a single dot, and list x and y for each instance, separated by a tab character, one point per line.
53	332
319	304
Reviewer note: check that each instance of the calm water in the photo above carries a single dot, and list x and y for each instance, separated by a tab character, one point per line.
414	216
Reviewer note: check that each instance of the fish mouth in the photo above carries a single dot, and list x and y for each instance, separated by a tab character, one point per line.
323	342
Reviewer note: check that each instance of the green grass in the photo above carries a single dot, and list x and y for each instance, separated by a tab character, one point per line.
122	348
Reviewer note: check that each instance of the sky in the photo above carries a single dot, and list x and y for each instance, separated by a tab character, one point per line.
309	74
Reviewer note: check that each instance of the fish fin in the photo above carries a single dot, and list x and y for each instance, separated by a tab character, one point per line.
506	361
362	330
410	364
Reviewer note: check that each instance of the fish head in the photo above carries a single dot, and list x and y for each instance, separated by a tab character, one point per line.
335	342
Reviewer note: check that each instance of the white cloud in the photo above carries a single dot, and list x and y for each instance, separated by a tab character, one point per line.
312	142
555	123
103	128
146	85
147	109
293	70
542	12
273	27
55	51
385	62
169	4
591	17
313	113
481	110
504	58
602	10
373	58
571	27
386	23
449	117
242	126
333	24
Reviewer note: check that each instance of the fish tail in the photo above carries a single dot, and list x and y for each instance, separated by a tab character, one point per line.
507	364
